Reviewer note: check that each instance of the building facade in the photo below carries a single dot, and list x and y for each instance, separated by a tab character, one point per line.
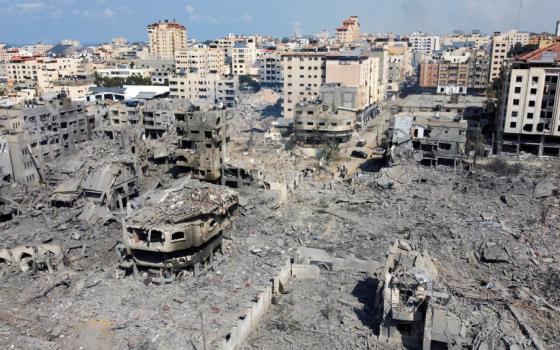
349	31
529	109
165	38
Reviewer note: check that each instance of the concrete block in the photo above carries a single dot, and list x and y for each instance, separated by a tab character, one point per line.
305	271
353	264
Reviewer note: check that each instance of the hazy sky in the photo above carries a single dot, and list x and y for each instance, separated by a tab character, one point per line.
93	21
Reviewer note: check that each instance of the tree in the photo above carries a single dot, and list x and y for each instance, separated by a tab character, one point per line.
476	145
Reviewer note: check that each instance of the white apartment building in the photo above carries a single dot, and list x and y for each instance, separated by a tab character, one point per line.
165	38
205	89
123	72
200	58
530	113
424	43
304	73
244	57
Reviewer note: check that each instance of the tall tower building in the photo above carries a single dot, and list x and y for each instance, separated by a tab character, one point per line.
165	38
558	28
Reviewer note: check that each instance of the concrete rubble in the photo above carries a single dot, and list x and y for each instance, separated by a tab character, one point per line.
102	251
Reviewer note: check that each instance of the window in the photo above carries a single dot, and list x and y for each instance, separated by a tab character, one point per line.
513	125
533	91
530	115
535	80
518	89
519	79
514	114
516	102
531	103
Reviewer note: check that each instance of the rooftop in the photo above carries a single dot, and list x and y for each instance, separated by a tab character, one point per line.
428	101
549	53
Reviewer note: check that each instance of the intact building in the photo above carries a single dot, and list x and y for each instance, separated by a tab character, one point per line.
349	31
200	58
165	38
529	117
205	89
304	73
423	43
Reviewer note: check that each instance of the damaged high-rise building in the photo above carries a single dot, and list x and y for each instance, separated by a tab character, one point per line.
202	138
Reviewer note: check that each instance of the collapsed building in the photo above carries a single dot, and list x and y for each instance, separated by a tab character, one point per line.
413	303
101	178
178	227
428	138
37	131
317	123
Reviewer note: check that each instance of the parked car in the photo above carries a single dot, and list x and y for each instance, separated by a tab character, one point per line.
359	154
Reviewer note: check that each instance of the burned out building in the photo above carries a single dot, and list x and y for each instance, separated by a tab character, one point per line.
412	303
317	123
178	227
202	137
159	116
428	138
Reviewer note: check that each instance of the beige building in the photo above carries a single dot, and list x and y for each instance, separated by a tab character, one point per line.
349	31
244	58
39	72
165	38
502	43
360	72
304	73
200	58
530	111
382	71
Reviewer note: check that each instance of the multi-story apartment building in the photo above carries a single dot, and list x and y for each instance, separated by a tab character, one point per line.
39	72
501	44
356	71
304	73
420	42
349	31
270	67
244	57
75	87
529	115
479	69
200	58
474	40
383	71
428	74
165	38
205	89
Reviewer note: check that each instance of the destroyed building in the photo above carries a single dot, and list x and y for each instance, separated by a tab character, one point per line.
412	303
202	138
100	177
317	123
39	130
428	138
159	116
180	226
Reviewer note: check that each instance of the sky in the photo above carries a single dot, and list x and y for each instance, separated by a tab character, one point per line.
97	21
